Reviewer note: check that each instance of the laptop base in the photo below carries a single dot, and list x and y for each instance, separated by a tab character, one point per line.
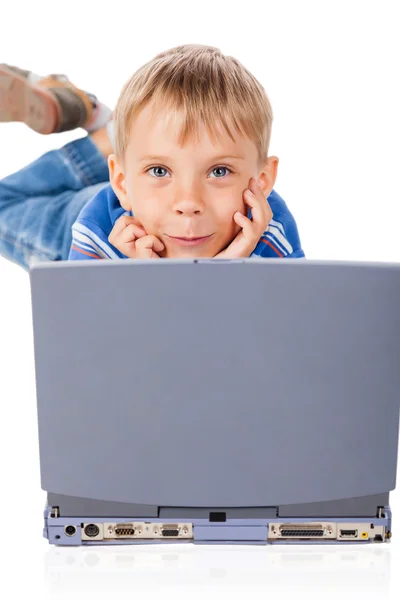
77	531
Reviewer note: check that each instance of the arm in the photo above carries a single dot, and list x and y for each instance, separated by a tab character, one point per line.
89	242
281	238
296	254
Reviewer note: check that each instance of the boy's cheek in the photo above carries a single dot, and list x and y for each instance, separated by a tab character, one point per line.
241	207
145	218
229	236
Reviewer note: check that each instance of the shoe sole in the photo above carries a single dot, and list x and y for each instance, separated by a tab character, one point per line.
27	103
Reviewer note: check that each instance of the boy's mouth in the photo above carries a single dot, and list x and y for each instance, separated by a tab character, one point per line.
190	241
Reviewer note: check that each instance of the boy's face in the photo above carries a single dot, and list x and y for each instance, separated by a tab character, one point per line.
187	196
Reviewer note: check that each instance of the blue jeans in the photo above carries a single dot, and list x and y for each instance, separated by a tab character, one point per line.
40	203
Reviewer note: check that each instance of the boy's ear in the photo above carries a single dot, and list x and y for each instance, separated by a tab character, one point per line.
117	180
267	176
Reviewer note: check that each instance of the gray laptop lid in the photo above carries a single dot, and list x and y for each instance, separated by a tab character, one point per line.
216	383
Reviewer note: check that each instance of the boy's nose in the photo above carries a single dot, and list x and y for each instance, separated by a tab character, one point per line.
188	206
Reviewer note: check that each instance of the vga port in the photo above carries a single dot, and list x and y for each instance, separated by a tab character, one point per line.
170	531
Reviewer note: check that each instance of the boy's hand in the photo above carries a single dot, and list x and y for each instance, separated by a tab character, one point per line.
124	234
252	229
130	238
148	246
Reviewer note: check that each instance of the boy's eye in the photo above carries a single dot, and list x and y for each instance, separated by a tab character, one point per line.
158	169
221	168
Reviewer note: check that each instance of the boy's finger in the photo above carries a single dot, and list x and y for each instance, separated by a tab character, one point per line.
131	233
257	191
246	225
256	206
146	247
123	222
260	209
156	243
127	248
255	188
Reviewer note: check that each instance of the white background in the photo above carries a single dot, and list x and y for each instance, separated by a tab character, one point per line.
331	71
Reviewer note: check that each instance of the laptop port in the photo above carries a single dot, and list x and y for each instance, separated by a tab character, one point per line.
91	530
70	530
139	530
302	531
124	530
170	531
348	533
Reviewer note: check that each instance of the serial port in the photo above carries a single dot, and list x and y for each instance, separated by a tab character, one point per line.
124	531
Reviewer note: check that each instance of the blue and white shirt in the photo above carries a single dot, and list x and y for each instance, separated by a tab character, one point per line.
97	218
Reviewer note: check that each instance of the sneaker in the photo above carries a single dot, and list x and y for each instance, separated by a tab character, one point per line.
51	105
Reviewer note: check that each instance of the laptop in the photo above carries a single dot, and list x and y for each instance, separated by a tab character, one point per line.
217	402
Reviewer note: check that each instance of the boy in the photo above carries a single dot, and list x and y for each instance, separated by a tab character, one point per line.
190	112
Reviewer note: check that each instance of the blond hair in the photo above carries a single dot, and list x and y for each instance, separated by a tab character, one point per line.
206	85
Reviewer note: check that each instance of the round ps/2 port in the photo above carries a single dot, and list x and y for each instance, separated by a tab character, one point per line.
70	530
91	530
